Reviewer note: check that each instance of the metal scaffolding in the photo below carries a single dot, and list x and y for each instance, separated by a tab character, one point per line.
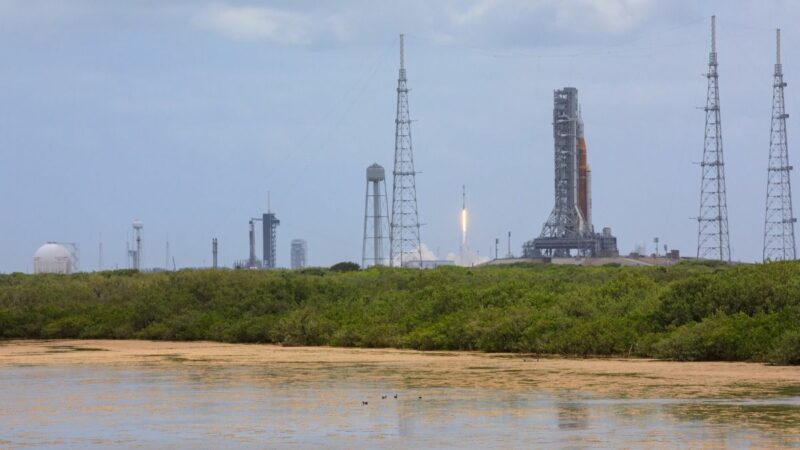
569	227
405	242
713	240
779	220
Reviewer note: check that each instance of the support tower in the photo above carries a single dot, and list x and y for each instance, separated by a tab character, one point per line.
376	219
569	227
779	220
135	254
269	223
713	241
404	246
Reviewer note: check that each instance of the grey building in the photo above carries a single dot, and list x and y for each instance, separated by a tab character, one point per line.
299	253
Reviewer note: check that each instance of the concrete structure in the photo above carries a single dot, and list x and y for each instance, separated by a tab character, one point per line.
713	240
569	227
299	252
405	243
376	219
52	258
779	219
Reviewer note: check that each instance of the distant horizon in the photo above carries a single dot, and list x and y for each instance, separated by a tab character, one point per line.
186	114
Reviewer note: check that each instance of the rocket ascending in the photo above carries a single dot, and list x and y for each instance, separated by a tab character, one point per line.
463	216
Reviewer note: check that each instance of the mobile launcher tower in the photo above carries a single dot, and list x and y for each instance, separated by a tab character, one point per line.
569	227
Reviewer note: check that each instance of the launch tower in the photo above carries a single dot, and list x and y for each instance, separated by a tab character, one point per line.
569	227
269	224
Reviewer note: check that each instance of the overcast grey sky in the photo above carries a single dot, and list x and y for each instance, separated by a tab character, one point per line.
185	113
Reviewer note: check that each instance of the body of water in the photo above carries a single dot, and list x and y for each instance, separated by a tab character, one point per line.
180	405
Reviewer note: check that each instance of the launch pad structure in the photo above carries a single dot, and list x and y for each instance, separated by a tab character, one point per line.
569	227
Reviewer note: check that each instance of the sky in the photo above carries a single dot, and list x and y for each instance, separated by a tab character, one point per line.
185	114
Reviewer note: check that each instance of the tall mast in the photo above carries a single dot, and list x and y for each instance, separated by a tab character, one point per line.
713	240
779	220
405	244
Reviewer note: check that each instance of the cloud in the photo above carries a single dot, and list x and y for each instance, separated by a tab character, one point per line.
490	23
248	23
515	22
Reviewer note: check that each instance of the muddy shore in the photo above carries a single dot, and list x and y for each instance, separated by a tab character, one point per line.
614	377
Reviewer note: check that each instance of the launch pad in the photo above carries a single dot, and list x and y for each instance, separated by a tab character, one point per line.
569	227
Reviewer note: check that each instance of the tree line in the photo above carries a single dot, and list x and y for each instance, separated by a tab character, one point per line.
690	311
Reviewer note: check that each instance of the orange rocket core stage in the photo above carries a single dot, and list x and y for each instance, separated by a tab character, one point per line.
583	182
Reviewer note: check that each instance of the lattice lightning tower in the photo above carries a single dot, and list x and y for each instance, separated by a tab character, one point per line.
779	220
713	241
405	241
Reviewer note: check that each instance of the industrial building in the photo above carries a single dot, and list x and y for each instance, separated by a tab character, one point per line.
569	227
299	252
53	257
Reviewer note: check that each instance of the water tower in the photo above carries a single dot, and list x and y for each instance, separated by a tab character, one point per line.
376	208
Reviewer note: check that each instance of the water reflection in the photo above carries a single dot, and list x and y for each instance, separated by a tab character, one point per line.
187	406
572	416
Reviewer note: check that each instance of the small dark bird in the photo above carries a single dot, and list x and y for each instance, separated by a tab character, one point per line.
365	403
383	397
395	395
420	397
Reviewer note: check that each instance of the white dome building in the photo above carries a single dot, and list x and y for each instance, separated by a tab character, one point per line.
52	258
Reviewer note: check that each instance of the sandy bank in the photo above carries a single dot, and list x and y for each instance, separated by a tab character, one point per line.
625	377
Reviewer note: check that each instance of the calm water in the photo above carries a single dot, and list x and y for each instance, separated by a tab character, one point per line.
192	406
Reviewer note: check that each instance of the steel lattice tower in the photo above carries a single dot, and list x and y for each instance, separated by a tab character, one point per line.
779	220
405	241
713	241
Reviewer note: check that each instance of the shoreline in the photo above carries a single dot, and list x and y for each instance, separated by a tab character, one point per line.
625	377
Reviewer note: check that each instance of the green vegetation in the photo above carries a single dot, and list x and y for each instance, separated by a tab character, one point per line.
690	311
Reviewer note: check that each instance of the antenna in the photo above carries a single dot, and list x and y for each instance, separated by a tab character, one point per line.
713	34
778	46
402	52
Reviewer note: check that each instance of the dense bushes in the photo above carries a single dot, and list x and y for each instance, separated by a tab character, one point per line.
689	311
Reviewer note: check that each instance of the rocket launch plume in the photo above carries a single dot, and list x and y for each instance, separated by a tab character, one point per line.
463	216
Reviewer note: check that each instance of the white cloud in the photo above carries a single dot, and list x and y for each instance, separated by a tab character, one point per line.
256	22
474	13
272	24
498	23
615	16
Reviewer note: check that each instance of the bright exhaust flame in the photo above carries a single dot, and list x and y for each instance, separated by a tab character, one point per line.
463	226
